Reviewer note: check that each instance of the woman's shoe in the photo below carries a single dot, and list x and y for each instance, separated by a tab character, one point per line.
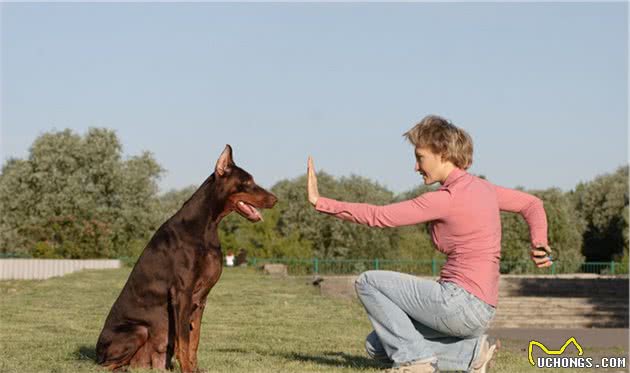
485	360
419	367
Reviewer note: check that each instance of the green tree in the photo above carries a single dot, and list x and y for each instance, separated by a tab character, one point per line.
602	204
623	268
414	242
333	238
170	202
262	239
564	234
74	197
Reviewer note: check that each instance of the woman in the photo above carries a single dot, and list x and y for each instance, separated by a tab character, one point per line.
422	325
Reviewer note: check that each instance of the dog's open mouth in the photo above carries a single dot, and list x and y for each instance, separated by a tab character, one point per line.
248	211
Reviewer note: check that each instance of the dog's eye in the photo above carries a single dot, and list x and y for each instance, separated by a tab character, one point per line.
246	185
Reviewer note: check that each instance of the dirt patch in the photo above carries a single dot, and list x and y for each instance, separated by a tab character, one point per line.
337	286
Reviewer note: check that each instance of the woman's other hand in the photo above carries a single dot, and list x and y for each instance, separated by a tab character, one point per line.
311	184
541	256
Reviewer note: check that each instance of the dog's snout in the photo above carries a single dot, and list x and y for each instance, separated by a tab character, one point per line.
272	199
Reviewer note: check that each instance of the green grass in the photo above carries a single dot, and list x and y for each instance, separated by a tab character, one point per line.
252	323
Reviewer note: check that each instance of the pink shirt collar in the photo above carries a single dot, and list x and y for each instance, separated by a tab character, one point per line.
452	176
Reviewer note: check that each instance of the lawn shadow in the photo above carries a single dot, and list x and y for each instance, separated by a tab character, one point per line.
85	353
327	358
338	359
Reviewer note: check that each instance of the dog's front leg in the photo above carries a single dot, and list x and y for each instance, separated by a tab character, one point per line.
182	304
195	327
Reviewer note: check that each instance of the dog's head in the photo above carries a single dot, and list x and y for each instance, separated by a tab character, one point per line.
239	189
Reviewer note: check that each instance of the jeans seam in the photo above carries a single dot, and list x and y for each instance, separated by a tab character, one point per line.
367	283
447	296
389	284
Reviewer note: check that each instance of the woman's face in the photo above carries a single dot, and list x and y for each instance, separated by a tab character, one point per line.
429	165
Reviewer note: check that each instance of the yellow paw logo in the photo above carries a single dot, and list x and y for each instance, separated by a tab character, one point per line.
552	352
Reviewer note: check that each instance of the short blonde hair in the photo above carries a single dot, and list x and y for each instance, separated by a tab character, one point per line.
443	138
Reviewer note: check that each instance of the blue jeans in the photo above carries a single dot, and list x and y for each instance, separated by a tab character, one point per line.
416	319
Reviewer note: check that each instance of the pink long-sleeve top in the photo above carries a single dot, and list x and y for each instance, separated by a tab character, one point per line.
465	225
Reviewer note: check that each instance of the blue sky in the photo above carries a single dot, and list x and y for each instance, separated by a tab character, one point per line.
542	88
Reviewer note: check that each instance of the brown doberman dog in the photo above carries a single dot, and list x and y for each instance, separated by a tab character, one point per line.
159	310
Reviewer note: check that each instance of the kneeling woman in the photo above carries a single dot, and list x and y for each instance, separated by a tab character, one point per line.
422	325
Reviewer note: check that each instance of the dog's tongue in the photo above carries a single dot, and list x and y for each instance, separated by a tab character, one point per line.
251	212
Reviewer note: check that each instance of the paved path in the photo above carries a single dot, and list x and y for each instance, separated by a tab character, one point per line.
555	338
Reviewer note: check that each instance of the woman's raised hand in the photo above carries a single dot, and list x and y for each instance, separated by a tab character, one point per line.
311	183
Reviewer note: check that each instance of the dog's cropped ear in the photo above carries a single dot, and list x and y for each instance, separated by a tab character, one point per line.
224	162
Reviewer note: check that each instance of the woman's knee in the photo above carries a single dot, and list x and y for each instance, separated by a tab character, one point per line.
374	347
364	279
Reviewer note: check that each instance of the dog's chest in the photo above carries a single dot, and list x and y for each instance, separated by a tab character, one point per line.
209	271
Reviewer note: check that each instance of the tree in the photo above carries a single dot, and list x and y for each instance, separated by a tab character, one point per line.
564	235
262	239
414	242
74	197
170	202
333	238
623	268
602	205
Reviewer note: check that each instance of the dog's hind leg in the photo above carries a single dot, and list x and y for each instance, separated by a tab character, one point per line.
158	360
152	355
181	307
142	357
159	349
123	347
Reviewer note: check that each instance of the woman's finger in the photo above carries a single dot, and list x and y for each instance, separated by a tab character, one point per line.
542	262
311	183
548	263
311	170
541	251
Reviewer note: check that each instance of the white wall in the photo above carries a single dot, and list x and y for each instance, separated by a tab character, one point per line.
35	269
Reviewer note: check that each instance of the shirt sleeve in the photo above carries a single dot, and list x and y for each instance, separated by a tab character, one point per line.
426	207
530	208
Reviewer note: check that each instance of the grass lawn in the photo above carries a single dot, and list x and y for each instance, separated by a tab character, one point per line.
252	323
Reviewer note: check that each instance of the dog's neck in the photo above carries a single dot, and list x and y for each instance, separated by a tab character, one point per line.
203	212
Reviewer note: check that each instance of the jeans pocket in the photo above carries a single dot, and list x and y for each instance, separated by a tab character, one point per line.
462	323
450	291
491	312
485	313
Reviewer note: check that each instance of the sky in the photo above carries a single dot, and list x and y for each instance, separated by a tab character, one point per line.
541	87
